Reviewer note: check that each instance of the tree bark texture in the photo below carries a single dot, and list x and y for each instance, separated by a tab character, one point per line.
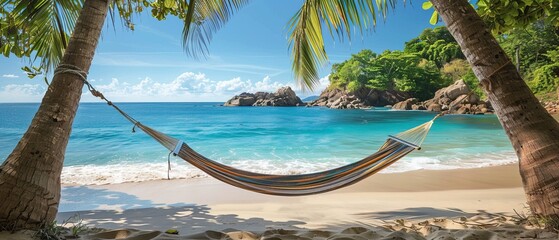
30	176
533	132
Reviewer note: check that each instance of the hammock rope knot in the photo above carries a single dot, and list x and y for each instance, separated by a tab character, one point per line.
72	69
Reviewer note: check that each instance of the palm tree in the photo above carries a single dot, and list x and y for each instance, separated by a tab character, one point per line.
533	132
30	176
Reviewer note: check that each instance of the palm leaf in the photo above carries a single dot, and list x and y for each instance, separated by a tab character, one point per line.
50	22
306	41
434	18
46	25
203	19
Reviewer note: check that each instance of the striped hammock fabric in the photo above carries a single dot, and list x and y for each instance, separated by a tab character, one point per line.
393	149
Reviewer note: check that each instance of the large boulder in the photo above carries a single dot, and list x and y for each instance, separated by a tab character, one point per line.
406	104
418	107
551	106
243	99
361	98
455	98
463	99
457	89
435	107
389	97
284	96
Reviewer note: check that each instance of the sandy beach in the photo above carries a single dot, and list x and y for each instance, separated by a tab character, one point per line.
208	209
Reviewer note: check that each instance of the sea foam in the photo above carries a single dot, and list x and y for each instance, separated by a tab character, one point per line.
137	172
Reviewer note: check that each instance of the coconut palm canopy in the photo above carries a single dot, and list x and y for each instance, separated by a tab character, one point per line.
340	17
40	29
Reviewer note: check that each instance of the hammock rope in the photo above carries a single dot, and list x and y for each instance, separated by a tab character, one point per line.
395	147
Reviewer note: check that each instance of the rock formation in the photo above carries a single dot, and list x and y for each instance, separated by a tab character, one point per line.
285	96
363	98
455	95
551	106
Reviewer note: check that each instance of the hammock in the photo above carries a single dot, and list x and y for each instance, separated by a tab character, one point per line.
393	149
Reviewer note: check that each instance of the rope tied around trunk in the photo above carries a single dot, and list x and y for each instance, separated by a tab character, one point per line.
486	82
72	69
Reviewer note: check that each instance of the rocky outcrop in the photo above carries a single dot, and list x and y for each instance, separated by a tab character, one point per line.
362	98
455	96
551	107
243	99
406	104
285	96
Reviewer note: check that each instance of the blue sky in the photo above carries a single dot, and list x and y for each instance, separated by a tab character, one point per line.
250	53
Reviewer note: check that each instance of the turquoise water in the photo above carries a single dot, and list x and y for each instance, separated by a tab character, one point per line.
103	149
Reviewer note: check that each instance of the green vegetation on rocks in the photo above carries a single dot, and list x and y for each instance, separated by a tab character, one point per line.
415	70
433	60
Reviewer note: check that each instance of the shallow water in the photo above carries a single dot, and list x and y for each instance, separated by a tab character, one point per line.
281	140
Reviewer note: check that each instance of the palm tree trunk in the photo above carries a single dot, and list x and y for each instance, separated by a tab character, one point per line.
30	176
533	132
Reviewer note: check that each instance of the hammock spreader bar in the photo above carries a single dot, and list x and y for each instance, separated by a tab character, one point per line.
403	142
177	148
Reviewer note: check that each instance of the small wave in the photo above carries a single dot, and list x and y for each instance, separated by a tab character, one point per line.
445	162
138	172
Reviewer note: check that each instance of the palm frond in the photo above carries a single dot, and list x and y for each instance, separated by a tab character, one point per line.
340	16
49	24
203	19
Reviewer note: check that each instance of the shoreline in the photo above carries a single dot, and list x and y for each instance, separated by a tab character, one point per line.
199	205
420	177
95	175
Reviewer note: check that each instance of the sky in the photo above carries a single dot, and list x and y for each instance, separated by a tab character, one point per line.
250	53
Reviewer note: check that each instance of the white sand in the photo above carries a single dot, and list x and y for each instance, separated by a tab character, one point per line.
202	205
449	204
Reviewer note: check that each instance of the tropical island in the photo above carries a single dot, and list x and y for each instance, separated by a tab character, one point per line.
431	73
283	97
111	145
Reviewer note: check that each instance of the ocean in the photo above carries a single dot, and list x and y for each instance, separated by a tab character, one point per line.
278	140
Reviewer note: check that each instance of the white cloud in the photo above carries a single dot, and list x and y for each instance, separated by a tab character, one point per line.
267	85
22	93
10	76
188	86
24	89
324	82
233	85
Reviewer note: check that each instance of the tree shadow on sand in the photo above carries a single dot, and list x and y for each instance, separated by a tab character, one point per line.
117	210
420	213
84	198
